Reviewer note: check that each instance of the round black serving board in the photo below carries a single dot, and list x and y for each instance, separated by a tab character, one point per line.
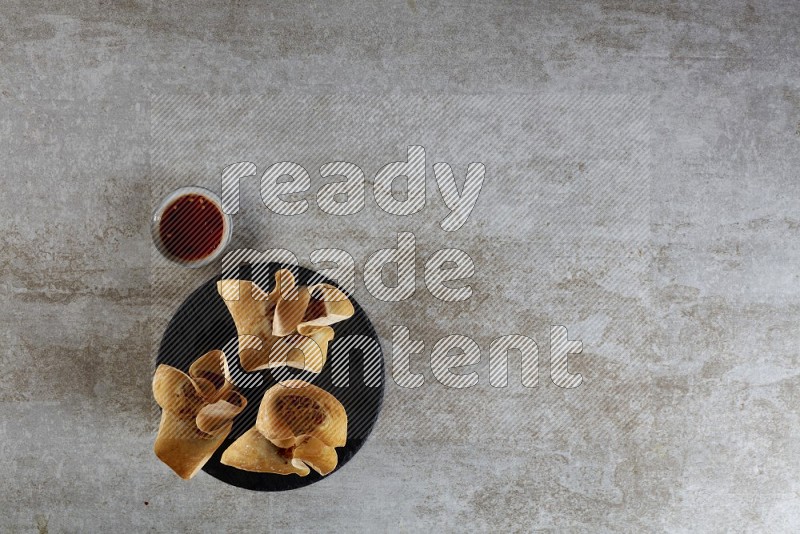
202	323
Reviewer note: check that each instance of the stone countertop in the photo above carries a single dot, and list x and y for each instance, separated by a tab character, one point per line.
692	335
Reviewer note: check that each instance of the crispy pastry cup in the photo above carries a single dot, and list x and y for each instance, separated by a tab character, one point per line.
286	438
277	425
289	326
197	410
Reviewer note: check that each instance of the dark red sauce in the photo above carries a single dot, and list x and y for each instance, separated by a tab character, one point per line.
191	227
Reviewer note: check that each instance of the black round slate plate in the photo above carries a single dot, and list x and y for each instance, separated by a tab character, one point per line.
202	323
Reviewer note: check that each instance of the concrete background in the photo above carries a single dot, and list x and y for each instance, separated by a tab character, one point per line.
706	440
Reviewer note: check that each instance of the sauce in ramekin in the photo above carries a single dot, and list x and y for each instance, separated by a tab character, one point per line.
191	227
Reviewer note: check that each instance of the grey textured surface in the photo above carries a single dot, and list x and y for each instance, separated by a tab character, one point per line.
707	438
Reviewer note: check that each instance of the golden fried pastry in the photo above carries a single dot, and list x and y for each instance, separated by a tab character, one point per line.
289	326
197	412
294	408
298	427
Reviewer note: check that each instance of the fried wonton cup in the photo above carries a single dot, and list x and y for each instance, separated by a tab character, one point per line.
197	410
295	408
289	326
298	427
